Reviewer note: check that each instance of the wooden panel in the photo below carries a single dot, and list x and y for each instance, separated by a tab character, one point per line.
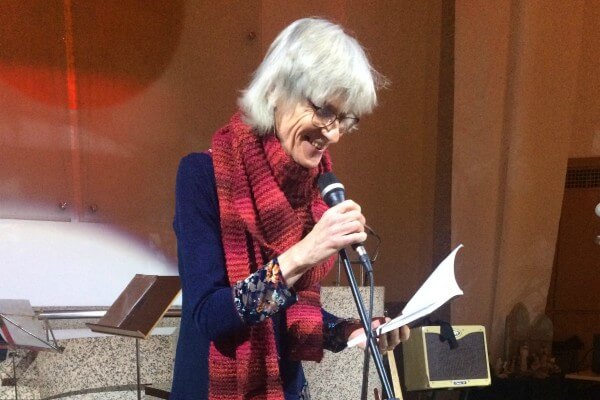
574	297
577	281
35	151
151	89
581	324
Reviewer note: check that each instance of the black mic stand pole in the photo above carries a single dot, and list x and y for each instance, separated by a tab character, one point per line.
388	392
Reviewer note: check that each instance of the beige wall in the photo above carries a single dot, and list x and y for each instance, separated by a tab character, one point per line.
481	62
515	91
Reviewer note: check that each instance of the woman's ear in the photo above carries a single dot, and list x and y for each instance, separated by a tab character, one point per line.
272	102
272	99
275	96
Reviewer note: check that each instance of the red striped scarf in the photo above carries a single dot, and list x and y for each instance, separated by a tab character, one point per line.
267	204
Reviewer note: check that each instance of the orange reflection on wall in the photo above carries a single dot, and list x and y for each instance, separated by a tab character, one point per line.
111	49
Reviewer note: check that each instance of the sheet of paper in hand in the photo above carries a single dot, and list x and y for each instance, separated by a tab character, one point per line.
440	287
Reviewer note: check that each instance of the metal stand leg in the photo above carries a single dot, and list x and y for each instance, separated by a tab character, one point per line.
137	364
386	387
14	365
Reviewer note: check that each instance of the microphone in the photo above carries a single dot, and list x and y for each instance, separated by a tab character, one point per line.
333	193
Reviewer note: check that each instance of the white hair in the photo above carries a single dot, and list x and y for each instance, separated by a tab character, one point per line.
311	59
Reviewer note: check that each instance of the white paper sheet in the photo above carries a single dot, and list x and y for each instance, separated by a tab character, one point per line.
440	287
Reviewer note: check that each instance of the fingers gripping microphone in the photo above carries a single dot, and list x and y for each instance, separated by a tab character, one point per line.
333	193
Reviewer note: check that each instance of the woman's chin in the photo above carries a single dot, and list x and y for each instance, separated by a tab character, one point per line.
309	162
310	156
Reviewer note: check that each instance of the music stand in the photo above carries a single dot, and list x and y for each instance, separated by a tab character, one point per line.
137	310
21	329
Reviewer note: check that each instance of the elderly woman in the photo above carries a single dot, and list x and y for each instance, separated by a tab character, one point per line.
254	236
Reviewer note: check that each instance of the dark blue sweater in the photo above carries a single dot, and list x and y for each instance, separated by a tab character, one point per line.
208	311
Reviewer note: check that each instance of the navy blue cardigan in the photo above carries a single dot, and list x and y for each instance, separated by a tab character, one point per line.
208	311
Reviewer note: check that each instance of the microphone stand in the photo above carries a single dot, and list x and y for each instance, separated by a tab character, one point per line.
388	392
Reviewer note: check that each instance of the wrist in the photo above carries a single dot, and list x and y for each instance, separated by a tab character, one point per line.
337	332
290	265
349	326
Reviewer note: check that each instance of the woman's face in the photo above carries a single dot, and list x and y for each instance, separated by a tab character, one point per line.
299	137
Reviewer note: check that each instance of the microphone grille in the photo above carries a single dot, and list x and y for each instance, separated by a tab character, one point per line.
326	179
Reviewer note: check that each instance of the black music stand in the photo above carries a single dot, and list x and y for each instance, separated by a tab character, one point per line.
21	329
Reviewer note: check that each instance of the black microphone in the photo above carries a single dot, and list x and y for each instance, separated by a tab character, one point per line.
333	193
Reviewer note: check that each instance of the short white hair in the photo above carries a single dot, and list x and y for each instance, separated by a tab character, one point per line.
311	59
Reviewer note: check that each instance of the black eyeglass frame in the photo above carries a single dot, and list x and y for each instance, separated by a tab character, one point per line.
323	114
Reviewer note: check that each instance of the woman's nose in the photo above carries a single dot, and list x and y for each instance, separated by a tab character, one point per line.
332	133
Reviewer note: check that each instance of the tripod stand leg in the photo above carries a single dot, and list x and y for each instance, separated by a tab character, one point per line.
137	364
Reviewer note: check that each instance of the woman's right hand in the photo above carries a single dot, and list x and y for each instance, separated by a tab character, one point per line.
340	226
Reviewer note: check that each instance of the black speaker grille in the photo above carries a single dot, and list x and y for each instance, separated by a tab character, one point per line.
467	361
583	178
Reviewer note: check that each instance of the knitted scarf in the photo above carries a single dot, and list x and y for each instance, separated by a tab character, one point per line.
267	204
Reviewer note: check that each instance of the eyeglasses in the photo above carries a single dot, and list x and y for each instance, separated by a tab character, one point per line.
324	117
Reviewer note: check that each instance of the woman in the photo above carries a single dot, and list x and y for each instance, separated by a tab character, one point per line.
254	237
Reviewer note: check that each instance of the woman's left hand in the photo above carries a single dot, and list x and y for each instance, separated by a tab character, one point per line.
387	341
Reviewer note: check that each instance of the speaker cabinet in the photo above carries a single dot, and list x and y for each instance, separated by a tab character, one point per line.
430	363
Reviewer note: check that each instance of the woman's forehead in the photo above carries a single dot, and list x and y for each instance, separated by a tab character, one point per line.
336	103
